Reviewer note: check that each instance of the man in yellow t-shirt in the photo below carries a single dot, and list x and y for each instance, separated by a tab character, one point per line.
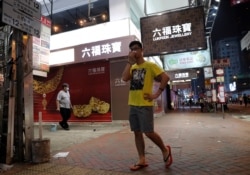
142	75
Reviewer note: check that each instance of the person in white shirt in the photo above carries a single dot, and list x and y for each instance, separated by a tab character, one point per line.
63	104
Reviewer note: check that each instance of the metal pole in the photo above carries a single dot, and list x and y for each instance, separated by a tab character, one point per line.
12	106
223	113
19	114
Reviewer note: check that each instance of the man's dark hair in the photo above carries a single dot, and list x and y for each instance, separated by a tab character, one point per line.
65	85
135	43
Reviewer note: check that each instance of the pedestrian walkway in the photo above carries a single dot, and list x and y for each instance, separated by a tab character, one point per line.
202	143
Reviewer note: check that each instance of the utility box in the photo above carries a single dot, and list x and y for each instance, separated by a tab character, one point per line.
40	150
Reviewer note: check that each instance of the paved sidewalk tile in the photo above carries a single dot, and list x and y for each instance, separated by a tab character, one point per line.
202	143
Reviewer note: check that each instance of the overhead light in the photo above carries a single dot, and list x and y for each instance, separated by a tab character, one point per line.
55	28
215	7
82	22
104	17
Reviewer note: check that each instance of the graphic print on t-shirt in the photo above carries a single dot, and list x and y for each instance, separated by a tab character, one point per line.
137	81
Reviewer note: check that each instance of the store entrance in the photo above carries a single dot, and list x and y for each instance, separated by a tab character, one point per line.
184	95
187	86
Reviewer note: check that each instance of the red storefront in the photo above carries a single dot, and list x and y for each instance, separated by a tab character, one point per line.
95	82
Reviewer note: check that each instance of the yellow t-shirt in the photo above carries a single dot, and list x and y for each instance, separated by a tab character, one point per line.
142	82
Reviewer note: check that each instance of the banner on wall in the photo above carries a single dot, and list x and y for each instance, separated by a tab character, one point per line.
173	32
208	72
101	50
41	46
187	60
182	74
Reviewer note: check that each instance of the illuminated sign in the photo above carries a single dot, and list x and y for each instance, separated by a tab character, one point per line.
235	2
98	50
232	86
187	60
222	62
103	49
219	71
212	80
185	74
220	79
173	32
221	94
169	32
208	72
182	75
106	49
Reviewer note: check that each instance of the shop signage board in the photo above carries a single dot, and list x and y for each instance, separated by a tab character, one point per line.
219	71
221	94
106	49
220	79
24	15
41	47
214	97
208	72
212	80
174	32
184	74
187	60
222	62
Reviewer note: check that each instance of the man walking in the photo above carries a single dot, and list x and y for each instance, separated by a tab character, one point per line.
142	75
63	104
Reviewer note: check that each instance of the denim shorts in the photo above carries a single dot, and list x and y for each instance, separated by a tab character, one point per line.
141	118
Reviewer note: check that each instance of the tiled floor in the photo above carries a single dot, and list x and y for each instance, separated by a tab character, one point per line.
202	143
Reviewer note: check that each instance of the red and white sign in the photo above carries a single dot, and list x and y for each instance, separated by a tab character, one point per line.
221	94
212	80
219	71
222	62
214	98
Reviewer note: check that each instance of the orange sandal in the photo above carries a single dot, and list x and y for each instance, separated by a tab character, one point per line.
169	159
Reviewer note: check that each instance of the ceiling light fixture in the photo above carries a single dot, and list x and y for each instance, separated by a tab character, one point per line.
55	28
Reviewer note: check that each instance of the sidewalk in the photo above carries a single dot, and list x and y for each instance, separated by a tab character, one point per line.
202	143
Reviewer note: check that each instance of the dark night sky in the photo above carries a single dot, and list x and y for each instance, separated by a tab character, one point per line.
224	25
231	20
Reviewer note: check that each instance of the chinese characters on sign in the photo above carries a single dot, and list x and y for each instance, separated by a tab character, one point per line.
222	62
23	15
176	31
41	47
173	32
182	75
221	94
98	50
186	60
102	50
96	70
119	82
